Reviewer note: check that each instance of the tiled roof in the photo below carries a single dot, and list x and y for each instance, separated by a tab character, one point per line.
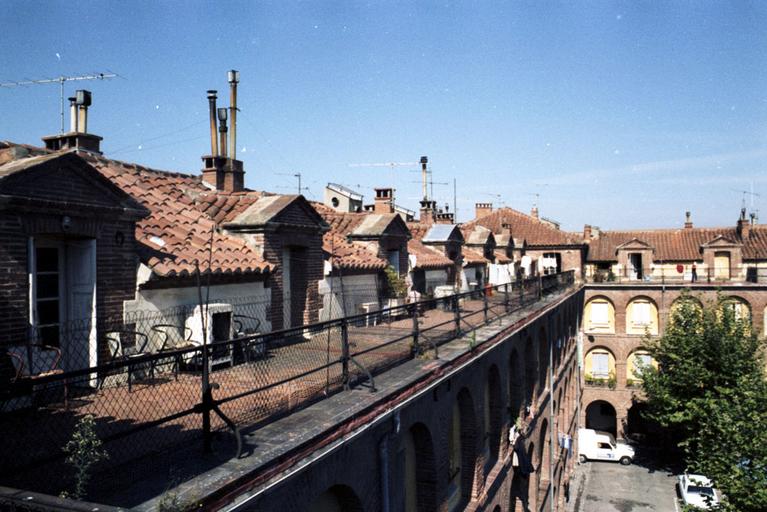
501	258
425	257
678	244
347	254
473	257
440	233
524	227
177	233
476	234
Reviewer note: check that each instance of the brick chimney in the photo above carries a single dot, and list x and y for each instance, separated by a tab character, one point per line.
744	225
534	212
587	232
220	171
384	200
482	209
444	218
687	220
77	137
428	208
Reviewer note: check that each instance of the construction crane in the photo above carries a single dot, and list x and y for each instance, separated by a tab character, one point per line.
60	80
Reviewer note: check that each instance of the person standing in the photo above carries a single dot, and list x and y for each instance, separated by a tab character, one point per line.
694	273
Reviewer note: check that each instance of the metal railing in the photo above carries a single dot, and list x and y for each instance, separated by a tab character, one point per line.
151	400
680	274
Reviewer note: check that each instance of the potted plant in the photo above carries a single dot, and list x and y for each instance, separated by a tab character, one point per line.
395	288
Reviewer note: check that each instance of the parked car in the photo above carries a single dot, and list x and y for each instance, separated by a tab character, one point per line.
599	445
697	491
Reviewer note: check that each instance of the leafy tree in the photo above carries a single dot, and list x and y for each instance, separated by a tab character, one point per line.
709	393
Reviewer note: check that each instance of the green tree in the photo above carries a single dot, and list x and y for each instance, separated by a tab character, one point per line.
709	393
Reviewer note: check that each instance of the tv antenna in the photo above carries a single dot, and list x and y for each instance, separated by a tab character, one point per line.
747	192
295	175
60	80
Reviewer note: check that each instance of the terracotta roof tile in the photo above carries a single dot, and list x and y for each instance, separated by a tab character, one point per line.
177	233
425	257
347	254
524	227
678	244
473	257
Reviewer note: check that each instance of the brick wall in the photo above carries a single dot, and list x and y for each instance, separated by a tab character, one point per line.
357	464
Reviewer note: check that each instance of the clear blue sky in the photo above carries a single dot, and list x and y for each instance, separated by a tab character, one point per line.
619	114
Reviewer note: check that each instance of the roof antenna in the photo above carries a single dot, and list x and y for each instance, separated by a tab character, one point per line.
60	80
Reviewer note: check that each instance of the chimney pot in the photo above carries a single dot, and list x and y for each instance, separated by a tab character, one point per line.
384	200
688	220
587	232
482	209
213	125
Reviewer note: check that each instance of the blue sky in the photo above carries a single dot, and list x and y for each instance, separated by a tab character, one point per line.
618	114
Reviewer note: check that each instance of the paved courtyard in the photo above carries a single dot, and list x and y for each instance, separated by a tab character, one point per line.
609	487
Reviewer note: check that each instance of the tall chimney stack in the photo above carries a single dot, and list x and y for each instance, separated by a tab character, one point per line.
586	232
424	177
73	126
83	101
688	220
234	79
222	129
213	135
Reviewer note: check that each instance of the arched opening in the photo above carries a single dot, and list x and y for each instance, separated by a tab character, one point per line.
600	415
461	451
638	362
599	315
642	316
516	386
420	471
542	464
543	360
338	498
531	370
493	418
740	308
599	367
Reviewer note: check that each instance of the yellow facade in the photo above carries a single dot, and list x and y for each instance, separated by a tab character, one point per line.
633	364
642	317
594	367
599	316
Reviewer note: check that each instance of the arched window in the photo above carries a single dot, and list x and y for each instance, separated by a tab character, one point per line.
599	316
420	472
641	316
461	451
493	419
739	307
638	362
599	366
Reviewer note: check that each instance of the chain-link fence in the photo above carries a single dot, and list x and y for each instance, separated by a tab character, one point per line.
169	377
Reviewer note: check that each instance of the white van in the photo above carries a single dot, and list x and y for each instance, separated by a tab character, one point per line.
598	445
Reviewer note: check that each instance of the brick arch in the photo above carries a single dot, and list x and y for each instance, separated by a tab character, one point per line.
467	424
338	497
597	419
542	461
494	414
516	384
598	327
531	369
641	298
738	298
543	359
422	469
588	369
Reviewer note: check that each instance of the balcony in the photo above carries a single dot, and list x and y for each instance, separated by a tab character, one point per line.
161	395
679	274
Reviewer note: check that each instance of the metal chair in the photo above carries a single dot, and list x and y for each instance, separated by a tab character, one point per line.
166	332
252	348
118	352
25	378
